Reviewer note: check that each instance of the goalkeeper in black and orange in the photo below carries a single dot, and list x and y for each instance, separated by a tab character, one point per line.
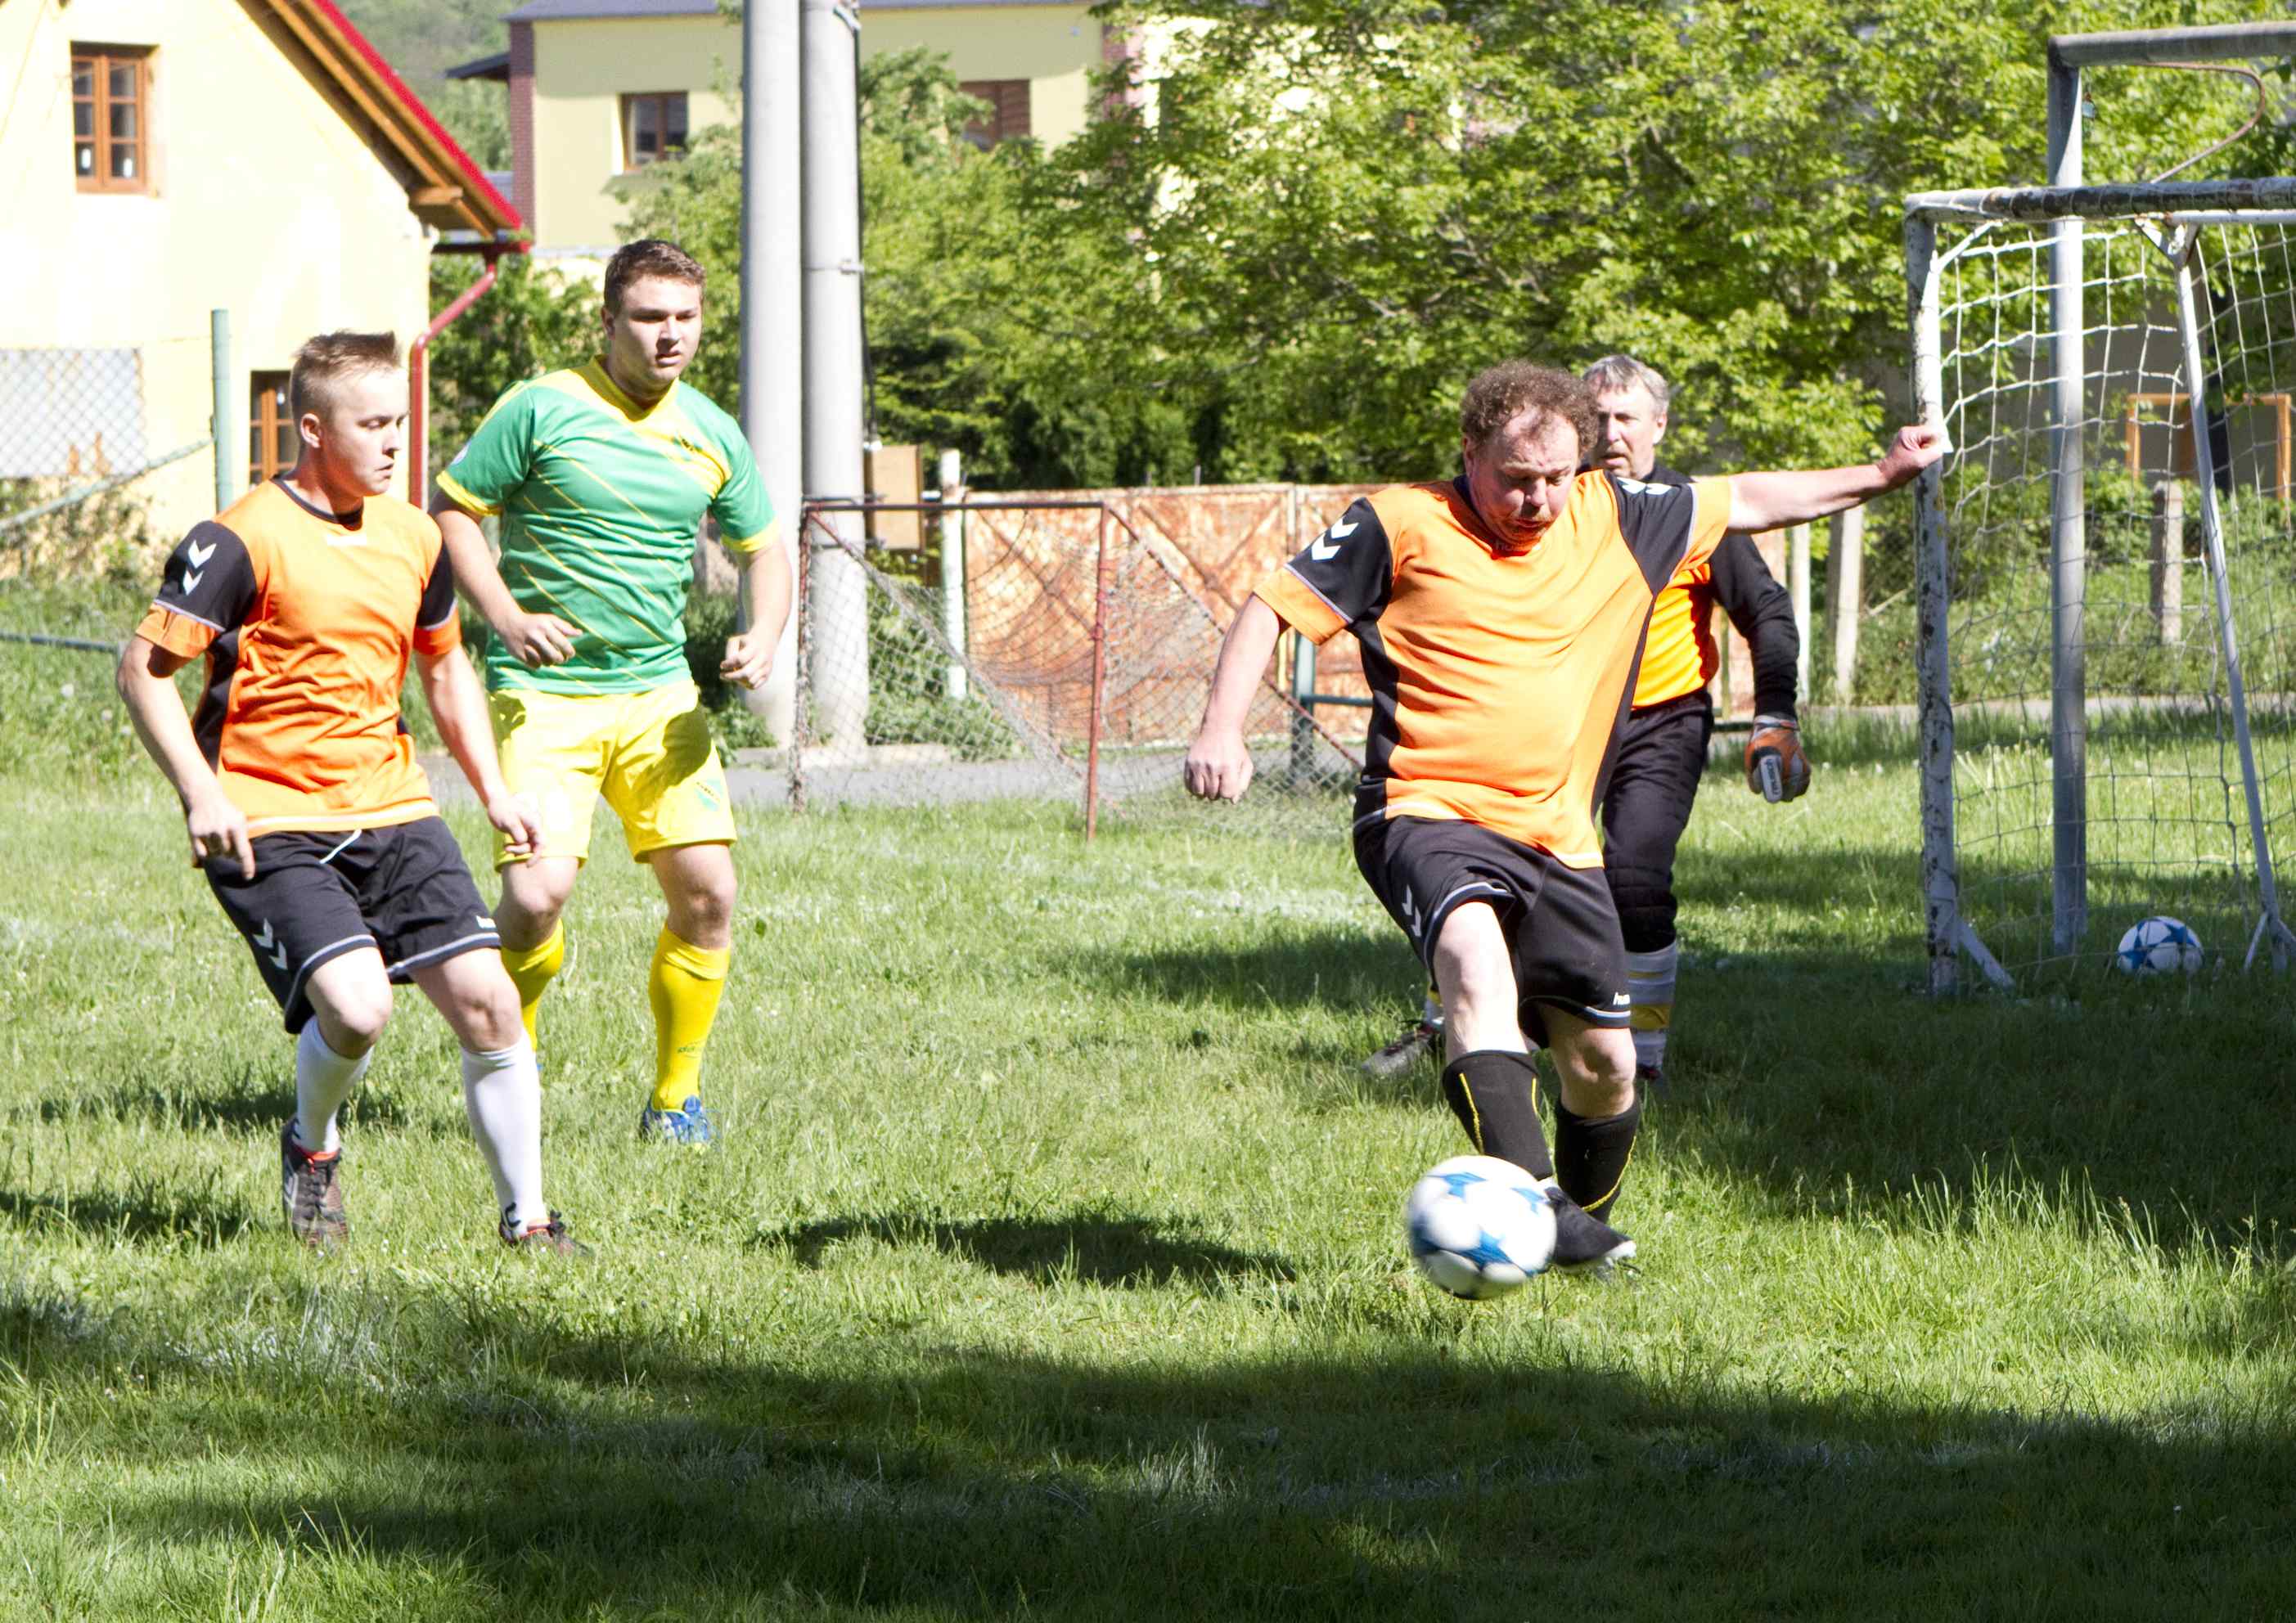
1661	747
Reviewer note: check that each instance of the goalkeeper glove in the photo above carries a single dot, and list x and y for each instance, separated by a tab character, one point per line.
1776	767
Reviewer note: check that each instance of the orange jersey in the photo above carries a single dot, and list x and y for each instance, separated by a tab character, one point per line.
1498	674
1681	655
308	618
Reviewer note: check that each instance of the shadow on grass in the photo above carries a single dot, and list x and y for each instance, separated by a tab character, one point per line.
250	1099
528	1471
202	1218
1092	1247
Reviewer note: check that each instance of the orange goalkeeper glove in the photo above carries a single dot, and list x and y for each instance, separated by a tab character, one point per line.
1776	767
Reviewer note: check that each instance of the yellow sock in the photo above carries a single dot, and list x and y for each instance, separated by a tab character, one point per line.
685	986
532	970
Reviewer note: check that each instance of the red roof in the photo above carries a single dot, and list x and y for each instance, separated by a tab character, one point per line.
444	187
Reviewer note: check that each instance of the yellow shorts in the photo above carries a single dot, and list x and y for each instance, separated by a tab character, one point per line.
650	754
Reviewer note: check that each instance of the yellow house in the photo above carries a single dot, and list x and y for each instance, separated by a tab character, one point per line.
162	162
601	88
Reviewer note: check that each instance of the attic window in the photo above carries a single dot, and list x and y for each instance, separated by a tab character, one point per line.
112	137
653	128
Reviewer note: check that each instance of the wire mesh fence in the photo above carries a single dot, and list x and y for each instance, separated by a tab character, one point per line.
2111	707
1054	648
78	452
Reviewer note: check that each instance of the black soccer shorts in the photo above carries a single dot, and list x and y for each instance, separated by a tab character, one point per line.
403	891
1562	929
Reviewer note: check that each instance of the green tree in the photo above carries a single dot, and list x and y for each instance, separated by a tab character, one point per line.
1352	204
530	320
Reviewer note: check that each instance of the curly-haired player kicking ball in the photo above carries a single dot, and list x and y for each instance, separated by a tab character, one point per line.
1500	615
306	808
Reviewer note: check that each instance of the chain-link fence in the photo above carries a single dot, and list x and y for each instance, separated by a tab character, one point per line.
1056	649
81	440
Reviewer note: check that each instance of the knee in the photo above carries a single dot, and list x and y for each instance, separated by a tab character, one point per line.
704	903
353	1017
488	1014
1598	1070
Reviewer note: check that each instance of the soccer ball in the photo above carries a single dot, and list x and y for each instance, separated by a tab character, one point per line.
1479	1227
2156	946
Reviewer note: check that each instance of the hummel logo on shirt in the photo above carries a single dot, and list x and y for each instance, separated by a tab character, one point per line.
1325	547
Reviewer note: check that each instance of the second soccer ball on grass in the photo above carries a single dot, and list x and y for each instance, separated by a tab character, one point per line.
2157	945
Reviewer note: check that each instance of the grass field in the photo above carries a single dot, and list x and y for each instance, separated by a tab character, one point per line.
1051	1266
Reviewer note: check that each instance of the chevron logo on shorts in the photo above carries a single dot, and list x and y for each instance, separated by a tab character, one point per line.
267	941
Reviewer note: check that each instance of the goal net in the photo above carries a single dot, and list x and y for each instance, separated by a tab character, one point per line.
2107	571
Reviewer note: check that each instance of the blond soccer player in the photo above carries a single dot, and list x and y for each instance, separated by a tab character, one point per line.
600	475
303	804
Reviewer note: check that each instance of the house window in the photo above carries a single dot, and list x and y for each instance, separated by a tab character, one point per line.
653	128
273	445
1008	111
112	137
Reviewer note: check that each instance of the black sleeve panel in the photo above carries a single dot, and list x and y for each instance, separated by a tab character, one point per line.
210	578
1763	612
1657	521
438	594
1351	566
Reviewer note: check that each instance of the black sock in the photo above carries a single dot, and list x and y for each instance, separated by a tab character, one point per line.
1591	1153
1495	1094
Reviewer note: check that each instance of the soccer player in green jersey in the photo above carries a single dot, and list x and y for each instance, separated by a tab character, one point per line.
600	475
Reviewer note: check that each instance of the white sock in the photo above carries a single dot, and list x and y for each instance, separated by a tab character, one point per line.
323	1080
1650	982
503	1092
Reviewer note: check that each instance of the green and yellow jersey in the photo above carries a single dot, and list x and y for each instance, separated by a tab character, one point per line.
599	500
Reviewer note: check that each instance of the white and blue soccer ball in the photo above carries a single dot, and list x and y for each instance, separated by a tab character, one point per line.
1479	1227
2159	946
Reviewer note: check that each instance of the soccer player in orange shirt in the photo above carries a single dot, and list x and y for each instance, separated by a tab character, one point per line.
1661	747
303	804
1501	615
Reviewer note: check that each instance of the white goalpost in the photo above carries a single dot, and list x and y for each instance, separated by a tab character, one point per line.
2114	366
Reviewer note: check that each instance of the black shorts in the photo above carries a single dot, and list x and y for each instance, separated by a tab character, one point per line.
1560	927
403	891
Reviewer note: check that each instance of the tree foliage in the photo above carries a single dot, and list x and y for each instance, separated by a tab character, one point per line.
1351	205
530	320
1298	226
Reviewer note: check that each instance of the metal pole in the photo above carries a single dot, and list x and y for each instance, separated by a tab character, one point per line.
800	734
1102	592
773	309
2168	563
838	666
1940	865
2067	531
1845	596
2212	540
222	426
1303	694
952	565
1798	588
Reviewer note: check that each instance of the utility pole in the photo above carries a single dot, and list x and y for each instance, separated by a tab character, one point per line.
772	308
830	34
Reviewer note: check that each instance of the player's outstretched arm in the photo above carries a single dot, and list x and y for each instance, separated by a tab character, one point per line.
1767	500
766	595
532	639
1218	766
458	704
147	685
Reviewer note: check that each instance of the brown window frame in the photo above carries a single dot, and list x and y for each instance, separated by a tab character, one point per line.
631	162
267	418
101	62
1008	111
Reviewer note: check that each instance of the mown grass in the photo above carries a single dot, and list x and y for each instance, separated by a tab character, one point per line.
1050	1266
